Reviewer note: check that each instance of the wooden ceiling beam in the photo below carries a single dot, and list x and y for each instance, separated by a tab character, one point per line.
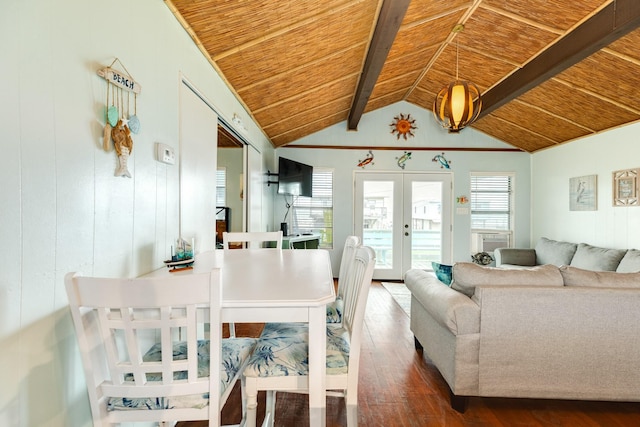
391	16
617	19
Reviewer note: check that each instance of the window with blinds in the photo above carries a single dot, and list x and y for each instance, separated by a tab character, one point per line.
221	187
221	190
316	213
492	201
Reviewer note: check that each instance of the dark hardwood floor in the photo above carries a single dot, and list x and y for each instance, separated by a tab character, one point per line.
400	387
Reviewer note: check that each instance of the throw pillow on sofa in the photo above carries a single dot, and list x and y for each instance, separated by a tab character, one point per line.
574	276
466	276
442	272
553	252
630	262
595	258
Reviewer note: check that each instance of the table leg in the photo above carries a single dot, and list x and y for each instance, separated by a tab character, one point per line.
317	366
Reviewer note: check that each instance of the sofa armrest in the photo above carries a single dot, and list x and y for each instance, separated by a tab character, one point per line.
515	256
450	308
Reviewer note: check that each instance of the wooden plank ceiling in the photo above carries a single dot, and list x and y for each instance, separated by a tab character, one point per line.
550	71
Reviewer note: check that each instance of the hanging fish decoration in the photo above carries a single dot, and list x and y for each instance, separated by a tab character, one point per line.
124	146
119	122
444	163
367	160
402	160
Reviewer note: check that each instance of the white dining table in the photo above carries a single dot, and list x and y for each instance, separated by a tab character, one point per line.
273	285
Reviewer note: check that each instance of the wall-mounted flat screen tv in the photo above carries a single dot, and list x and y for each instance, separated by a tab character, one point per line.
294	178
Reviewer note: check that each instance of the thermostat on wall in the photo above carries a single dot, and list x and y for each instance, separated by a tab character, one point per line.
165	154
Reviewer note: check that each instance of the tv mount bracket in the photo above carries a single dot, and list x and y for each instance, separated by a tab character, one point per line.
269	182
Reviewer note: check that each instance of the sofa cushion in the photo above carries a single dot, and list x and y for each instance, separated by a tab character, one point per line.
630	262
466	276
595	258
442	272
574	276
553	252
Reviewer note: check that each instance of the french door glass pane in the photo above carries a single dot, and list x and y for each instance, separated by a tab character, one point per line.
377	222
426	223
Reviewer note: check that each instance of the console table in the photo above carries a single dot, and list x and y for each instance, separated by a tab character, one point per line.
301	241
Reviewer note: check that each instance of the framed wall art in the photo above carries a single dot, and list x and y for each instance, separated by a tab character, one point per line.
583	193
625	187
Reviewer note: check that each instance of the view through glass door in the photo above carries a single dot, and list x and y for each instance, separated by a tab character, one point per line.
406	218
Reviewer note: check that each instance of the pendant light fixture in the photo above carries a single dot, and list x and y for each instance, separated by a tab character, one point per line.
459	103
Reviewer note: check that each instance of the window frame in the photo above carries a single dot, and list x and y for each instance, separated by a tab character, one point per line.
510	205
316	203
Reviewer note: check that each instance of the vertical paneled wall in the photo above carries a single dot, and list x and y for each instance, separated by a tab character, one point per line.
62	209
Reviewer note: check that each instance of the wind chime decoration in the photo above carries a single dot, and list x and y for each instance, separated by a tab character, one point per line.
121	115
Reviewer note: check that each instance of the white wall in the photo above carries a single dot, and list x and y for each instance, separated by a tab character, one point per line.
601	155
374	131
62	208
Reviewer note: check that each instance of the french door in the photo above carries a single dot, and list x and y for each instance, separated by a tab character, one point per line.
405	217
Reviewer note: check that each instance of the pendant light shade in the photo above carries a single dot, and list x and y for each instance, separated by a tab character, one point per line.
457	105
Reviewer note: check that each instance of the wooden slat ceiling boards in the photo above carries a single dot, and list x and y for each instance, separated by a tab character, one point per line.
550	71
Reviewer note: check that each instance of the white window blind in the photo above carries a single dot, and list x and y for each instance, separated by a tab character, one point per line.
316	213
491	201
221	187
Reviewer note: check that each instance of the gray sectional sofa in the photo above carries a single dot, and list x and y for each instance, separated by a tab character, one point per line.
537	332
579	255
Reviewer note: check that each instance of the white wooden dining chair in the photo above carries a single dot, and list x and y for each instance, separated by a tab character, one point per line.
335	308
143	352
252	240
280	359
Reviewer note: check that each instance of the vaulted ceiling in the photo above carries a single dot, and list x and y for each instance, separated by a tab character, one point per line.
550	71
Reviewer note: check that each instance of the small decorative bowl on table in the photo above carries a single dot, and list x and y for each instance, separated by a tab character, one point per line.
179	265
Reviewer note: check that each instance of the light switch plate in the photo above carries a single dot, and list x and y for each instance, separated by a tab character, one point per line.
165	154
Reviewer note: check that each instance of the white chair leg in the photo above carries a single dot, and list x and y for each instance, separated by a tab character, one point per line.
352	415
351	402
243	396
252	402
270	409
232	330
268	420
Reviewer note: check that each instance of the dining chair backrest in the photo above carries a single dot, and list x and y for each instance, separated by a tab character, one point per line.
348	253
252	240
358	282
128	331
281	361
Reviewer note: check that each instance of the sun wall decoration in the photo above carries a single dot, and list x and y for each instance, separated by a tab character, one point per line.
403	126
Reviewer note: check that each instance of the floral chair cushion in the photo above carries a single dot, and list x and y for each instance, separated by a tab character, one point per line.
334	311
234	352
283	349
